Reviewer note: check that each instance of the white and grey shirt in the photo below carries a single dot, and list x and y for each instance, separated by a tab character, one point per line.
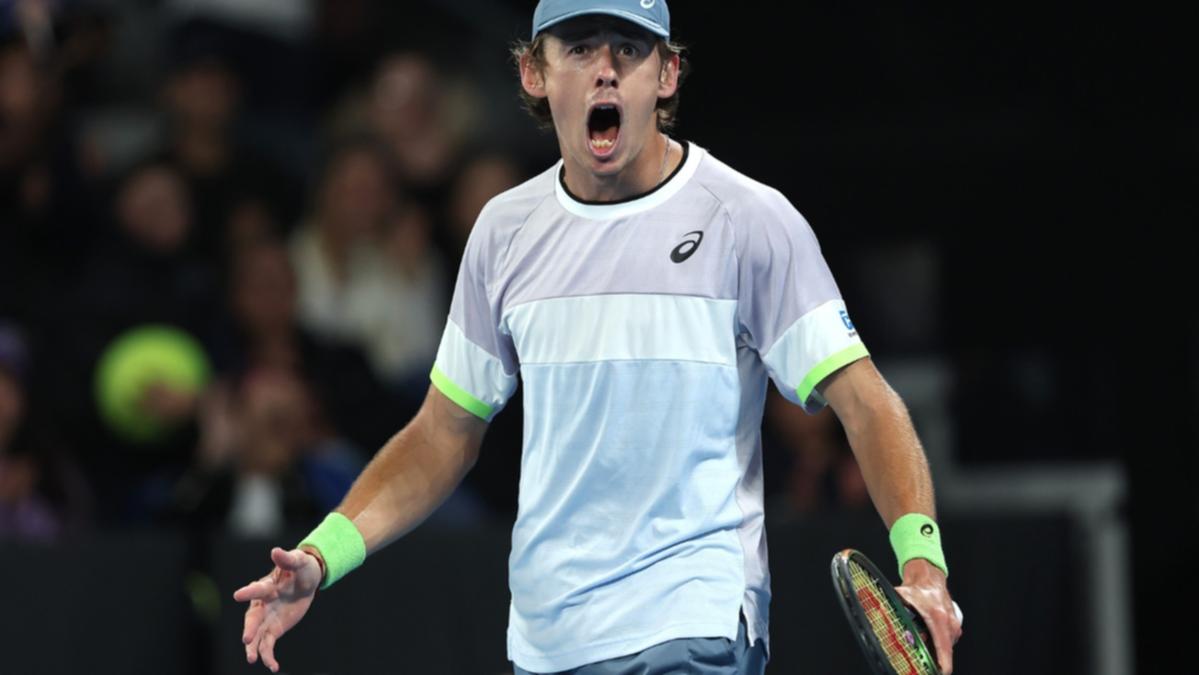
644	332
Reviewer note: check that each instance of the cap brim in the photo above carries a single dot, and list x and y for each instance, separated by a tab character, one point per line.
651	26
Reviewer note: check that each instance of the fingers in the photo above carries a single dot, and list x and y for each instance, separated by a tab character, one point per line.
257	634
263	589
262	644
941	618
252	648
946	629
944	646
288	560
254	617
267	649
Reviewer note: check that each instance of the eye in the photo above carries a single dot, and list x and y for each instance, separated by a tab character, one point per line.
578	49
629	50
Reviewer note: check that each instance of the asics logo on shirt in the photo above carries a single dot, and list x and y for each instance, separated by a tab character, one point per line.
685	249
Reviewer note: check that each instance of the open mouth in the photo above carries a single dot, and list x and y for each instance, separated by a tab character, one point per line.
603	129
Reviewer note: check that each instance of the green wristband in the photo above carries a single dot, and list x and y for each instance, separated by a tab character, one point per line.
340	544
915	535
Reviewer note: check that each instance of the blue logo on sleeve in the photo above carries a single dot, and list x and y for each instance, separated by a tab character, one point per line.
848	324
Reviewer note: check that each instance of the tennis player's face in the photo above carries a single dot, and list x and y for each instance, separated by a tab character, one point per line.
603	78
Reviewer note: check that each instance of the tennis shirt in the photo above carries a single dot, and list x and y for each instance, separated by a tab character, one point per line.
644	332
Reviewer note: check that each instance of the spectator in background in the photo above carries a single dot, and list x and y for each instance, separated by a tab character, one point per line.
141	274
45	224
368	272
483	177
14	361
42	493
251	222
407	303
822	474
23	512
409	111
144	272
335	251
266	459
422	118
201	96
266	333
352	403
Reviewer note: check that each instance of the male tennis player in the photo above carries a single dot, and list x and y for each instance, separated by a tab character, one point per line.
644	292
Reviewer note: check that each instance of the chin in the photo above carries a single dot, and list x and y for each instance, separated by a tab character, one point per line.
609	166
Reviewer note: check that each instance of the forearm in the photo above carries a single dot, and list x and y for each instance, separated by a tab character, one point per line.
413	473
891	458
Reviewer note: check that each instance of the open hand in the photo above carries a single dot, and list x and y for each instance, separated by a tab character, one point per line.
277	602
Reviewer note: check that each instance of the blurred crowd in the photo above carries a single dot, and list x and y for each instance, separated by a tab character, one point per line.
290	188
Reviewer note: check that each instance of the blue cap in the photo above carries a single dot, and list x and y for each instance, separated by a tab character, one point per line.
652	15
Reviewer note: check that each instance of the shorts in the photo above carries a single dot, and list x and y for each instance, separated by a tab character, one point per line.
693	656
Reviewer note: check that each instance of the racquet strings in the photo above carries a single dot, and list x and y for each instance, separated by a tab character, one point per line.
895	640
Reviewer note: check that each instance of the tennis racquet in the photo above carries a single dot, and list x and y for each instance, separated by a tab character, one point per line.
894	638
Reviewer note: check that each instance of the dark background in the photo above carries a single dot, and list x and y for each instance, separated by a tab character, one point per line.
1041	162
1049	155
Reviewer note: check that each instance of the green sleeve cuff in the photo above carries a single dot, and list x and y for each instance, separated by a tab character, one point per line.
828	367
459	395
340	544
915	535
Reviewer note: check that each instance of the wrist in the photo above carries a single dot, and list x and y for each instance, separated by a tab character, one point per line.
922	572
915	536
320	560
340	547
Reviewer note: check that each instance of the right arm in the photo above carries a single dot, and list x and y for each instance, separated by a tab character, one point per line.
414	472
408	478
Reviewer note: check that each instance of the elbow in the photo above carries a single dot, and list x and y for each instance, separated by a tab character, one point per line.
470	456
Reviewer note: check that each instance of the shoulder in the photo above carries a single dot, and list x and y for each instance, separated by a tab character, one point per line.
737	192
502	218
505	213
759	214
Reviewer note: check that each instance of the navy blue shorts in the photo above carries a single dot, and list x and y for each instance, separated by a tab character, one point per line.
694	656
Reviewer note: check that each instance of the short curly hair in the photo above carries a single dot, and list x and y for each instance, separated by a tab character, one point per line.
667	108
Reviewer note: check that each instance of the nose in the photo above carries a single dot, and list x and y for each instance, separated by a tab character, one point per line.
607	76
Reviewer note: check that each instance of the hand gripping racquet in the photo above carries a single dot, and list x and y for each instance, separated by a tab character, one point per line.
894	638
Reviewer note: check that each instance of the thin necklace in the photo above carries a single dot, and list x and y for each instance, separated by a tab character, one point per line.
665	155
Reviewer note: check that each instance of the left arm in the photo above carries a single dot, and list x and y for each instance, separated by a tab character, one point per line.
897	476
884	442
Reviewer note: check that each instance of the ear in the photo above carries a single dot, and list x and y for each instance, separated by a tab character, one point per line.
668	77
531	77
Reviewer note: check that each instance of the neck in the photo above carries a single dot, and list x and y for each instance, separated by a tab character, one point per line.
275	348
656	160
204	151
335	249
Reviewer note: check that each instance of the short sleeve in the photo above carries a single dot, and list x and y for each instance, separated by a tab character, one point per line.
476	363
789	307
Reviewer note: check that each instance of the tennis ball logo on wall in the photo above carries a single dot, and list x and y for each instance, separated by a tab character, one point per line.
926	530
143	375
